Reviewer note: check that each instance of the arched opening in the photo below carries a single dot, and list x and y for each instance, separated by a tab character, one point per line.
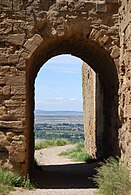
58	100
102	63
58	117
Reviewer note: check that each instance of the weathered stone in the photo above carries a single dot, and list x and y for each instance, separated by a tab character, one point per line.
11	124
115	52
125	70
104	40
16	156
101	7
3	141
13	59
8	59
2	110
10	136
16	4
15	80
5	3
112	1
14	103
6	90
33	43
1	91
20	145
17	39
5	27
2	81
21	65
88	87
18	90
4	70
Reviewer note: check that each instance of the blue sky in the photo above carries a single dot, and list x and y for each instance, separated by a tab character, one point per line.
58	85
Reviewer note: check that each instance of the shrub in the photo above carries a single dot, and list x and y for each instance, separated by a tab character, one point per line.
26	183
39	145
50	143
112	178
9	180
61	142
77	153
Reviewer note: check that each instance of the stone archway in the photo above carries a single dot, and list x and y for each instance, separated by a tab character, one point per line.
94	57
34	32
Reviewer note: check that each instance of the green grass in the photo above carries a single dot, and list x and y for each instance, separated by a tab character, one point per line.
77	154
112	178
9	180
40	144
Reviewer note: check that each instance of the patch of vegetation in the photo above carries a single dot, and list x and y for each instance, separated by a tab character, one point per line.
9	180
41	144
77	154
112	178
56	130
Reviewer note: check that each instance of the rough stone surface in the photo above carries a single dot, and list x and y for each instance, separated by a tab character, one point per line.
125	82
93	112
31	32
89	107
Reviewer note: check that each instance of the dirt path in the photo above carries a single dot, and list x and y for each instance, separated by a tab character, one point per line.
58	175
50	156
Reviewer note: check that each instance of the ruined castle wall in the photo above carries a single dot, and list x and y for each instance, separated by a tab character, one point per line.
31	32
93	111
125	81
89	107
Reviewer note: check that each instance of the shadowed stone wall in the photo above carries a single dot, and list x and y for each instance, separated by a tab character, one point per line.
31	32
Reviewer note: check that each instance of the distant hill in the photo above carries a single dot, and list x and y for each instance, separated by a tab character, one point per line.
43	112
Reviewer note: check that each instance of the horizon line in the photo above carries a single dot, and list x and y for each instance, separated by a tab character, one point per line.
59	110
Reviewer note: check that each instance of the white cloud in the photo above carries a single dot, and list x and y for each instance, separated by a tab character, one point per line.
59	98
72	99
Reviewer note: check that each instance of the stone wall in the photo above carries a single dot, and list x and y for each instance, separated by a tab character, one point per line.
89	108
93	111
32	32
125	81
100	123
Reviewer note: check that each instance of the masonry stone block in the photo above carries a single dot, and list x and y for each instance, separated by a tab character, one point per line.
17	39
101	7
15	80
2	81
18	90
115	52
33	43
11	124
112	1
6	90
16	155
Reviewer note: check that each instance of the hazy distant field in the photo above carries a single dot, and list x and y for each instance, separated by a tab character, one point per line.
58	117
59	124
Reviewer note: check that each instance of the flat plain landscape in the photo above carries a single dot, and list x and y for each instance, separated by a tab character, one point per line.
59	124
